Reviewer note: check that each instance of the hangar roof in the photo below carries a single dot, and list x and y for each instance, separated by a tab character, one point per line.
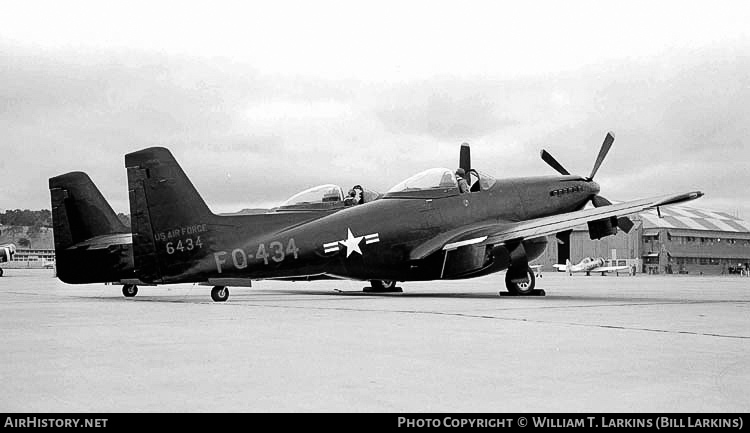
687	218
678	217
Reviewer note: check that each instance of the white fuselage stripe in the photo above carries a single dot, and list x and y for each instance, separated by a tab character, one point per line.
454	245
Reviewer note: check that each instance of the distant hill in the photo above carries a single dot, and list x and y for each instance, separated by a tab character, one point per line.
27	236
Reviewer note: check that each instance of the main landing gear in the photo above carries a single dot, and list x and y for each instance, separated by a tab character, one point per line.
382	286
129	290
519	284
220	293
1	272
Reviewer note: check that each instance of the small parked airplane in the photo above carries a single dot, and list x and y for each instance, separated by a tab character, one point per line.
6	254
588	265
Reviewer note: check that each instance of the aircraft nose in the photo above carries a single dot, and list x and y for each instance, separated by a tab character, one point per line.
594	187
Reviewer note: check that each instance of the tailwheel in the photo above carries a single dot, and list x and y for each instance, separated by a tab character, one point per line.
129	290
383	286
519	287
220	293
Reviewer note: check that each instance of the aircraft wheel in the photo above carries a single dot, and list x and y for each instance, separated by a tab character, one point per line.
129	290
383	284
1	272
521	288
219	293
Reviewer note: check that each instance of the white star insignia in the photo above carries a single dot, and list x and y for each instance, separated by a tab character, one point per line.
351	243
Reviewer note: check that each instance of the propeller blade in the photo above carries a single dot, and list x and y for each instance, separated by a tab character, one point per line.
552	162
464	160
608	140
599	201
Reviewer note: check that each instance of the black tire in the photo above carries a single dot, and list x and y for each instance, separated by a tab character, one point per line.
129	290
1	272
378	285
220	293
521	289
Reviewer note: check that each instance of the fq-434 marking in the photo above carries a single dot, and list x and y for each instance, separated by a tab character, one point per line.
239	258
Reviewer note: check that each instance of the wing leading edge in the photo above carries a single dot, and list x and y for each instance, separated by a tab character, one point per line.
499	233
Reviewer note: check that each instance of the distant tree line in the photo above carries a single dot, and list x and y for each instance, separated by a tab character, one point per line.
26	217
39	218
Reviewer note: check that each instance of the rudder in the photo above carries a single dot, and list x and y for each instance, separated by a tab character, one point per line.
80	211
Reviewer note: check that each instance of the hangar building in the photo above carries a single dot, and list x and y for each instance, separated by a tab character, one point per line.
683	240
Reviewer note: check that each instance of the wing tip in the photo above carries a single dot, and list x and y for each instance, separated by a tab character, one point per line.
680	198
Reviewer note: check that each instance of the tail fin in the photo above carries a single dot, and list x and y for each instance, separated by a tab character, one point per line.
79	211
167	213
567	265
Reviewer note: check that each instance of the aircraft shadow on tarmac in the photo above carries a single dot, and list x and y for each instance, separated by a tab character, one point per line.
493	295
278	296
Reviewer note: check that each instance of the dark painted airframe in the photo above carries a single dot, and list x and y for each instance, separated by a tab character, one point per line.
421	229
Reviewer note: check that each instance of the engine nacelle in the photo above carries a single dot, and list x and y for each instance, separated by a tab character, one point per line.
603	227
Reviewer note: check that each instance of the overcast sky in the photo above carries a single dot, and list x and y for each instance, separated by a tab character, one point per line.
258	101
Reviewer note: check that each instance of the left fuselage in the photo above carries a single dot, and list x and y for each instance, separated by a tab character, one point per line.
374	240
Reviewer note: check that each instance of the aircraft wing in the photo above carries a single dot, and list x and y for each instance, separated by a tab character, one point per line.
609	269
501	232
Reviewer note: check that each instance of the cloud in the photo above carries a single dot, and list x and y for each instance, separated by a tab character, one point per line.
247	137
444	110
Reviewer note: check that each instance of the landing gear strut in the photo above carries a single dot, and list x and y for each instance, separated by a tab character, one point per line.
382	286
129	290
220	293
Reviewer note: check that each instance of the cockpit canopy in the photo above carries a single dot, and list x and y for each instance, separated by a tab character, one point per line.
439	182
432	179
325	197
318	195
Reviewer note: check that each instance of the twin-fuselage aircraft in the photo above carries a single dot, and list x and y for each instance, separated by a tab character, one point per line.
423	228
